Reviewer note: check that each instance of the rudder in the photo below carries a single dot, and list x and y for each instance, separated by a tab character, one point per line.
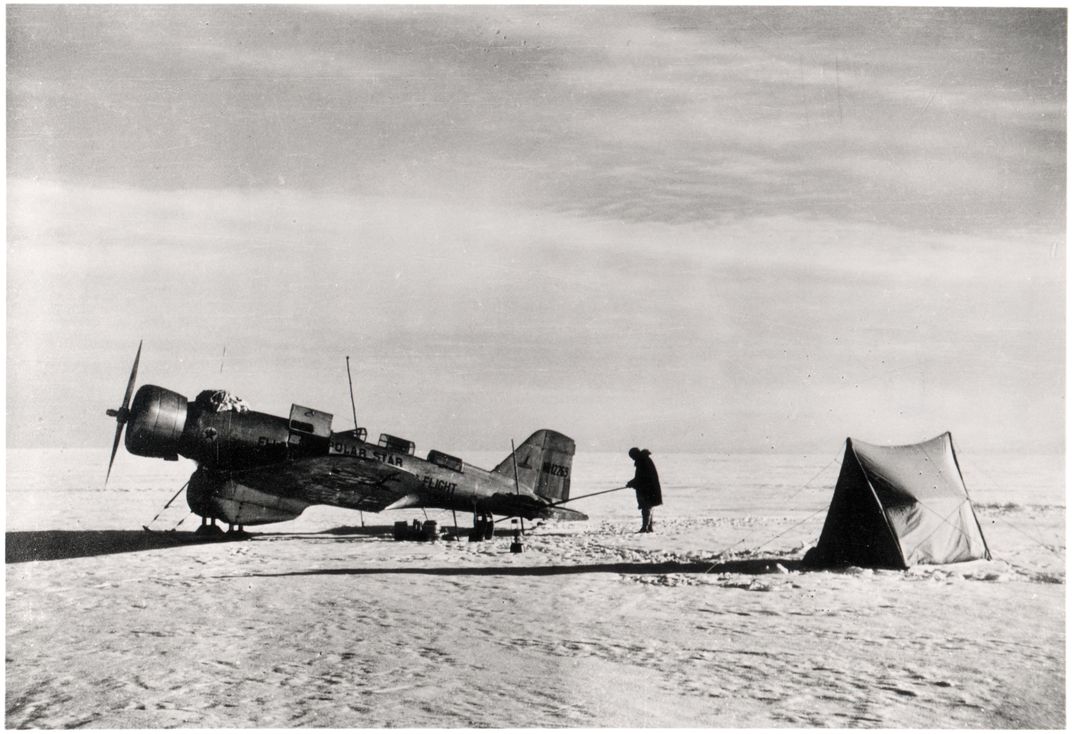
544	464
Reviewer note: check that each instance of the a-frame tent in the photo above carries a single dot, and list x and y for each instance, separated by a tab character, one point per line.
896	506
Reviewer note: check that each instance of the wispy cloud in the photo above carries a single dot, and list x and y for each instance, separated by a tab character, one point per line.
527	105
694	212
519	301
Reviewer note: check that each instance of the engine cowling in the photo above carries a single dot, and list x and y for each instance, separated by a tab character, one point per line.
155	425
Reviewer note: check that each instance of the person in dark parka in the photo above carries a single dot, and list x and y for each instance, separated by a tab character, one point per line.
649	492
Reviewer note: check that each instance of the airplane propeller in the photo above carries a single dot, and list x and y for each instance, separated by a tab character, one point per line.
122	414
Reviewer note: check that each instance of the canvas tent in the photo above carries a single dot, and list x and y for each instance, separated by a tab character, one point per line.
896	506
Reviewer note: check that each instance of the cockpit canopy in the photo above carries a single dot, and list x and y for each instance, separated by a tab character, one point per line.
394	443
445	460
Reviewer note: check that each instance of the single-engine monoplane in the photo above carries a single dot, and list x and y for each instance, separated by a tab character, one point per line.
254	468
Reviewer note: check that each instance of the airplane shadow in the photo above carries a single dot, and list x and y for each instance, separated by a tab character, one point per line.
52	545
752	567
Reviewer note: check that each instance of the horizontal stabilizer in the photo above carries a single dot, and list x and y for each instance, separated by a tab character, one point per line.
531	508
562	513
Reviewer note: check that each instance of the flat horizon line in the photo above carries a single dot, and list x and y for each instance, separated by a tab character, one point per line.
744	452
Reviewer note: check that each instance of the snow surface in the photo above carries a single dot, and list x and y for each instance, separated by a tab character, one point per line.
708	622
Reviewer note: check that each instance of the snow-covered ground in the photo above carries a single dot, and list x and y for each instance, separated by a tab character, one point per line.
706	623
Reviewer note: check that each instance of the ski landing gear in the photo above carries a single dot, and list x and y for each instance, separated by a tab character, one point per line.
483	528
209	529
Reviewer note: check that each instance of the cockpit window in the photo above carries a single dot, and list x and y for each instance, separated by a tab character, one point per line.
394	443
445	460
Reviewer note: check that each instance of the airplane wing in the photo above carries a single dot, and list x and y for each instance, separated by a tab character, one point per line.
341	481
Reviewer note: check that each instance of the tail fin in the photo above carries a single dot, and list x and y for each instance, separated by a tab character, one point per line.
544	463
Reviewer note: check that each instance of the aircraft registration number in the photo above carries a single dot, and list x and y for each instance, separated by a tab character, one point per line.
555	470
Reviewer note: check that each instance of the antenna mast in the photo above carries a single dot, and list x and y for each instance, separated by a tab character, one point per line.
516	546
353	407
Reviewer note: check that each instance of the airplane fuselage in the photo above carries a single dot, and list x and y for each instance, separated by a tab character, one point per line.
256	468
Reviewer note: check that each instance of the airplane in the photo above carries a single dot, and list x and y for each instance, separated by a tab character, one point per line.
254	468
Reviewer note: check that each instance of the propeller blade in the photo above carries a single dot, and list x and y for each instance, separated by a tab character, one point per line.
133	376
115	447
123	413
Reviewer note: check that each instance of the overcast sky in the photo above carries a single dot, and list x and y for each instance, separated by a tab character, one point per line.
692	229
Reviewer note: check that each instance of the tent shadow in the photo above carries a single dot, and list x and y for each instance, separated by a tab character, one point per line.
52	545
748	567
